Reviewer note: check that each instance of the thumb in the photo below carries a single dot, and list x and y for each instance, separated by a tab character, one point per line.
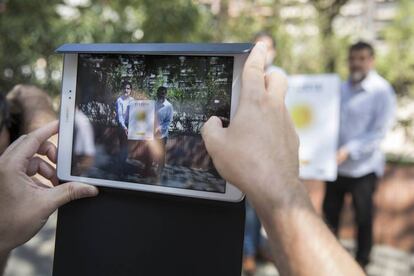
213	134
64	193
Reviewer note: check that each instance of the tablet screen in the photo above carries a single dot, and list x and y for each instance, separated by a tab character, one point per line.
138	118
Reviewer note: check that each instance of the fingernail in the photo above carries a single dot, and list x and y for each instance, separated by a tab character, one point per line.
261	45
92	190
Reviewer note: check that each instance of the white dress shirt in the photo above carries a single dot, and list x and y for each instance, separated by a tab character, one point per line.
367	113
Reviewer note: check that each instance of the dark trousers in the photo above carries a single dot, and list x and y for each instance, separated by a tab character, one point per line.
361	190
123	151
161	161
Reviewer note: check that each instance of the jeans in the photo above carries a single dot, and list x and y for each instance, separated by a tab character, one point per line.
253	239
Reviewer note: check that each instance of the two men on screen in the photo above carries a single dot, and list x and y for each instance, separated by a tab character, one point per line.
163	118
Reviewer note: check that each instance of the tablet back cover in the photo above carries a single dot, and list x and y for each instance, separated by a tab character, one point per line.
132	233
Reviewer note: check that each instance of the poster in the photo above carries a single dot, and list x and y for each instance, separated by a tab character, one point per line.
141	120
313	103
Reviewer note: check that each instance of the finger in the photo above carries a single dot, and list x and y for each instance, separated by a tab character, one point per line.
31	143
213	134
40	183
64	193
277	85
253	73
40	166
10	149
49	149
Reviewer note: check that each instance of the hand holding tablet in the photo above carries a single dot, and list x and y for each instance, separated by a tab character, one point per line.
258	152
26	203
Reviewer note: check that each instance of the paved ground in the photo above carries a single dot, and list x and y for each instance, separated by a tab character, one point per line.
35	258
386	261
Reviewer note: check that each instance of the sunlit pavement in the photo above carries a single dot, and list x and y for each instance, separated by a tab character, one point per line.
36	258
386	261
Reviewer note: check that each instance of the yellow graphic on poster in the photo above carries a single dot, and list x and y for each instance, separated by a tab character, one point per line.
141	120
313	104
301	115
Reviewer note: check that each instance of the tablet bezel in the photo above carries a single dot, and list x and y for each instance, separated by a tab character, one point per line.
65	142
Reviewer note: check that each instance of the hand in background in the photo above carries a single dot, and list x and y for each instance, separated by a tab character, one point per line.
25	202
342	155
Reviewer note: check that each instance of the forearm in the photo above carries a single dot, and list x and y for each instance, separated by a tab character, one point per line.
300	241
3	261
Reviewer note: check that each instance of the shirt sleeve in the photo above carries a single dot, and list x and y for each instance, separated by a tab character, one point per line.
384	117
120	114
167	119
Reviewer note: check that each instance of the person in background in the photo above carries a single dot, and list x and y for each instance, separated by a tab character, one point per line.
24	109
84	149
254	241
367	112
271	54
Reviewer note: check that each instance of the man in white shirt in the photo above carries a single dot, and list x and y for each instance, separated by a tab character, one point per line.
122	106
122	110
165	114
367	113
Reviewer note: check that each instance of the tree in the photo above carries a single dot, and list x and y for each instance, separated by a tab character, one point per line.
27	41
398	64
327	11
32	30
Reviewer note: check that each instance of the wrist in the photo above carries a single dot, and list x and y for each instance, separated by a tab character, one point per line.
281	197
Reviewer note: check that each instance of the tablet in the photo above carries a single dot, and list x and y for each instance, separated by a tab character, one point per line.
131	115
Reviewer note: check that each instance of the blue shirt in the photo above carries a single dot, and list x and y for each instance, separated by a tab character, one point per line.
122	110
164	116
367	113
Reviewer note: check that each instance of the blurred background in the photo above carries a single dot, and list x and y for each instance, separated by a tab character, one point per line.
312	37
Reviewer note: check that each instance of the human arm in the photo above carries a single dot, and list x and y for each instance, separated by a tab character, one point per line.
26	203
165	124
258	153
120	113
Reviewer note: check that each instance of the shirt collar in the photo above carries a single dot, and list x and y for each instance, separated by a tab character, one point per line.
365	84
161	103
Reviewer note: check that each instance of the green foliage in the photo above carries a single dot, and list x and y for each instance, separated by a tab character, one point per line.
31	30
26	45
398	64
198	87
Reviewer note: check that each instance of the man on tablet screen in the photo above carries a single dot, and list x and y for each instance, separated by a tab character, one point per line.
164	114
122	117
